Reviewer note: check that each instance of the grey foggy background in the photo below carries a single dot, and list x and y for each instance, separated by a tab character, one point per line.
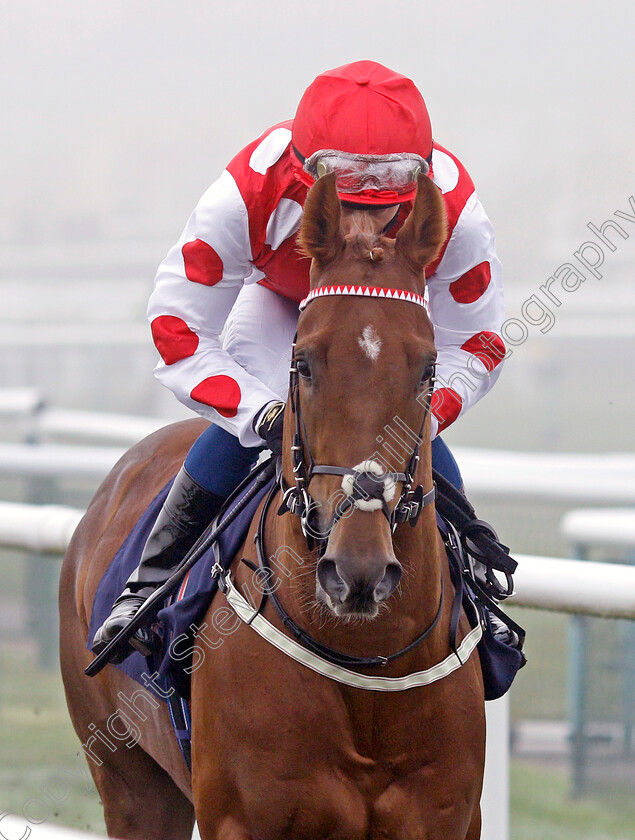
116	117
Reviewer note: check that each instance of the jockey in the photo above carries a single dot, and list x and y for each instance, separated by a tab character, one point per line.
236	270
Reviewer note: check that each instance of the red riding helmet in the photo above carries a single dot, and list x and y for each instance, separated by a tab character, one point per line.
371	126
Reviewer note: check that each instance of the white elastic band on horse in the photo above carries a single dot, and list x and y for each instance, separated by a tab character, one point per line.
363	291
334	672
387	482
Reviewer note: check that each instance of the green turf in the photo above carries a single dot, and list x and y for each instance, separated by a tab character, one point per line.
43	774
542	810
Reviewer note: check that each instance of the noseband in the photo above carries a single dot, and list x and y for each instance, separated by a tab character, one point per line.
367	486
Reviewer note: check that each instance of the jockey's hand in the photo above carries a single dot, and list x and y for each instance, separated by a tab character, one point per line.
269	426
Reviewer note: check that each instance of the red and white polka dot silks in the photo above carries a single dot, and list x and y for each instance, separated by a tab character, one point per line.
202	263
221	392
243	232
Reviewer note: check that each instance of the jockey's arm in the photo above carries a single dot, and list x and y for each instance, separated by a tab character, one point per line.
467	309
195	289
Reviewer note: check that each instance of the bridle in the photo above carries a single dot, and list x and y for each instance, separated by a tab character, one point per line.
367	483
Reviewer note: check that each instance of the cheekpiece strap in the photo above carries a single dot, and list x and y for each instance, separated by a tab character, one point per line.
409	509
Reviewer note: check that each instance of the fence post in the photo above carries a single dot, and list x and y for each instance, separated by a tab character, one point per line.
41	577
495	797
628	682
577	701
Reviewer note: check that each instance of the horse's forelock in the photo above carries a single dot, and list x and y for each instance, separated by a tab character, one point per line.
366	246
362	233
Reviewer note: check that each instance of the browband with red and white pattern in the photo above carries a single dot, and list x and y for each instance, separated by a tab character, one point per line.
363	291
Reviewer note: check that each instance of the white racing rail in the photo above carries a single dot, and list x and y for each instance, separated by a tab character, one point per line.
603	479
610	528
43	422
596	479
58	460
547	583
118	428
46	529
606	590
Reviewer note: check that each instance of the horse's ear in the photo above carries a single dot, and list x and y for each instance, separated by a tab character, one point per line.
320	236
424	231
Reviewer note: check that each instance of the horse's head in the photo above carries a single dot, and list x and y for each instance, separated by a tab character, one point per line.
364	367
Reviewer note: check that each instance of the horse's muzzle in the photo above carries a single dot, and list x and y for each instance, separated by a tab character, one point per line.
350	591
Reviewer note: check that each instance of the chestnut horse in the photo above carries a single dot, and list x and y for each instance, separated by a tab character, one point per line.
283	747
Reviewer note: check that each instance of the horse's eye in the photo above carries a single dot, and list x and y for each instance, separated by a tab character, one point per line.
427	374
303	368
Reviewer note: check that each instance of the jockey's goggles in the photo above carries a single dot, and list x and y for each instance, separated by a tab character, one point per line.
395	173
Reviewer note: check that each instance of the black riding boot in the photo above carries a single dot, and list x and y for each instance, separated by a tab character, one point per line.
185	514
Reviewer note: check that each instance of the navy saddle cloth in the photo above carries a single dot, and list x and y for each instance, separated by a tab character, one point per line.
179	619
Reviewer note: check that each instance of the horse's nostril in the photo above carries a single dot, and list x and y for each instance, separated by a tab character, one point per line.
388	583
331	582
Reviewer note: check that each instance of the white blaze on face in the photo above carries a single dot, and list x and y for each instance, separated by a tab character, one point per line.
370	342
